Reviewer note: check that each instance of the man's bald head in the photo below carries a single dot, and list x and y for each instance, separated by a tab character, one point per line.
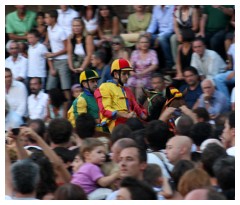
178	147
204	194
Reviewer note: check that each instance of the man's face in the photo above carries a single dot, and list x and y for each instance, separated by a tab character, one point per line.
21	8
92	84
198	47
172	151
35	86
32	39
130	164
8	78
208	88
49	20
14	49
94	61
190	78
124	76
158	84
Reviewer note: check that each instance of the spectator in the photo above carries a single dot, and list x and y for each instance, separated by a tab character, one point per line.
70	192
98	64
120	131
224	171
185	21
162	19
65	18
193	179
202	114
85	102
118	48
192	89
111	97
214	101
15	88
41	28
36	57
19	22
134	124
59	132
58	67
12	119
213	25
144	62
207	62
90	176
177	148
228	135
133	189
16	62
37	101
57	105
76	89
80	49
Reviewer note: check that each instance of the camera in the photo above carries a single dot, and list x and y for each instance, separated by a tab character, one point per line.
15	131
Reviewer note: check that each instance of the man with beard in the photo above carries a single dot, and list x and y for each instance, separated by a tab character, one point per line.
192	89
37	101
85	102
115	101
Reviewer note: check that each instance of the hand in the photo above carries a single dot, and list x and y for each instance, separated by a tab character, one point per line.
79	70
167	114
53	72
200	34
132	114
49	55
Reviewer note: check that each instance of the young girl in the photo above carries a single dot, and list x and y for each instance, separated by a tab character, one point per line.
89	176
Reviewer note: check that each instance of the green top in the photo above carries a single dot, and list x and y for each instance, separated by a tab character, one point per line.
18	26
216	20
135	25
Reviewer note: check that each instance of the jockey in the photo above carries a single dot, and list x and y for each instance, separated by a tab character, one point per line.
115	101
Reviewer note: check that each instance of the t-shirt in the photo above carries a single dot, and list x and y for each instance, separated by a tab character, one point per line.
231	52
87	177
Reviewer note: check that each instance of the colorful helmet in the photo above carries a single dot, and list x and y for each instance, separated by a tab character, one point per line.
88	74
120	64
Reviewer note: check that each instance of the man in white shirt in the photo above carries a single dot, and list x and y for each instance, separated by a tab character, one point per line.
207	62
36	57
65	17
37	101
16	62
58	69
16	94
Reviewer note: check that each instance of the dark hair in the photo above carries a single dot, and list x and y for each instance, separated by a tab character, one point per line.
70	191
210	154
157	134
25	176
53	14
40	13
100	55
231	119
224	171
152	173
202	113
214	195
191	69
59	130
85	125
35	32
188	35
199	38
179	169
110	17
134	123
142	154
57	97
120	131
184	125
8	70
40	128
84	9
65	154
47	182
139	137
157	75
200	132
139	190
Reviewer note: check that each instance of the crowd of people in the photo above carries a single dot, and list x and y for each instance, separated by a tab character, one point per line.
100	110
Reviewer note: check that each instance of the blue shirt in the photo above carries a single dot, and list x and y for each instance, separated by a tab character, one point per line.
13	120
104	73
162	19
190	96
218	103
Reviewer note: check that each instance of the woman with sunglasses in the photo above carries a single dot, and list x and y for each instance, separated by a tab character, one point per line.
118	50
80	49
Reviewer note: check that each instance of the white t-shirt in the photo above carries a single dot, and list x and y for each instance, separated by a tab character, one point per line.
19	67
37	61
231	52
233	95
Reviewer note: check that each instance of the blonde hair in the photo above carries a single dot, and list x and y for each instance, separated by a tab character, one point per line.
88	145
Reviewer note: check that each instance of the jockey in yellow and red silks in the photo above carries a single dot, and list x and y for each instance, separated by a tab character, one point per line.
116	102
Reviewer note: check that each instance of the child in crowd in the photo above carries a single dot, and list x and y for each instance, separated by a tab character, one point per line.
89	176
41	27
